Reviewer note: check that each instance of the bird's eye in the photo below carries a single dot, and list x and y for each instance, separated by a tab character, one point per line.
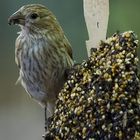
34	16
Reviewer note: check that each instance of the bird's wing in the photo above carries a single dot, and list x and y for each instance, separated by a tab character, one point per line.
68	48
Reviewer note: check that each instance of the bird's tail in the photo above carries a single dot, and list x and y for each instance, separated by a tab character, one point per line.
50	109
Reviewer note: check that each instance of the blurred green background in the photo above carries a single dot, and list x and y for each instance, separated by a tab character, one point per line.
20	117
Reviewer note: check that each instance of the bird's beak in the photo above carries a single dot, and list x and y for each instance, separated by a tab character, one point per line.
16	18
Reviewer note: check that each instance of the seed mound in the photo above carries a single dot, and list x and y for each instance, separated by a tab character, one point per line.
101	99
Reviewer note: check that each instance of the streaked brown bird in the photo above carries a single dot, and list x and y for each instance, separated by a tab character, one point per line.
42	53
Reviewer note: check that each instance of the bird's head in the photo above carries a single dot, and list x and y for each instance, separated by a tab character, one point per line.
34	16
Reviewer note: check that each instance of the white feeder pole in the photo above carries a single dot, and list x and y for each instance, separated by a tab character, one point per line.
96	14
